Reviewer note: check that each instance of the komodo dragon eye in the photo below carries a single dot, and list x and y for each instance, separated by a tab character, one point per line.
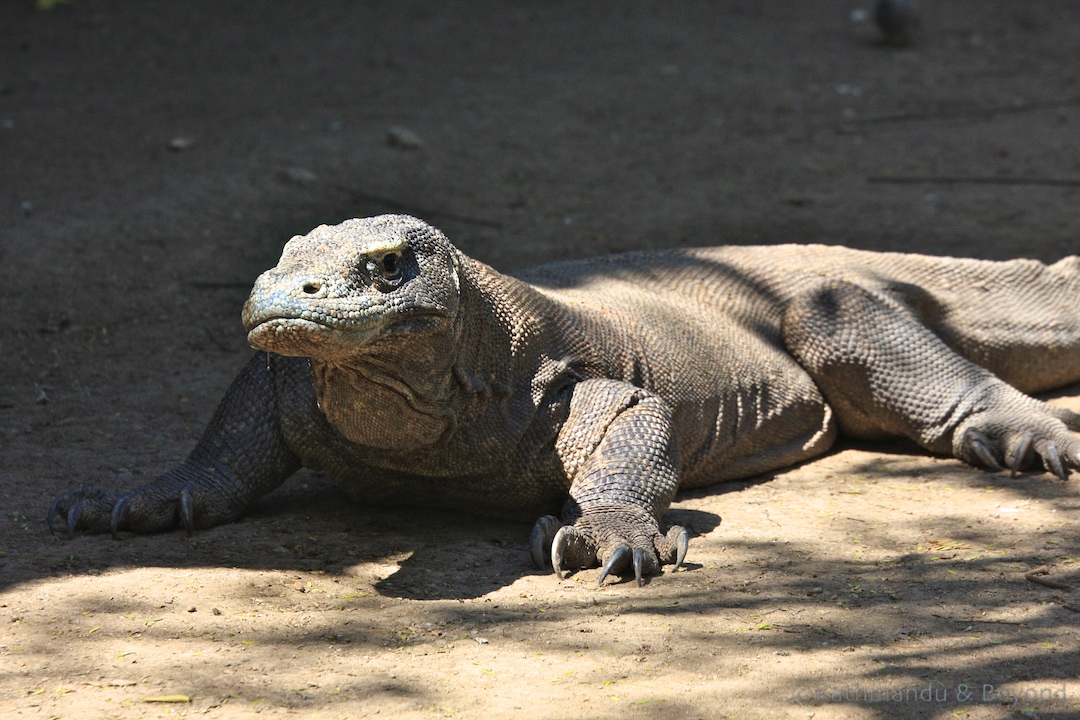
390	266
385	269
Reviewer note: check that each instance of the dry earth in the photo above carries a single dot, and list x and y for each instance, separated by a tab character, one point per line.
154	156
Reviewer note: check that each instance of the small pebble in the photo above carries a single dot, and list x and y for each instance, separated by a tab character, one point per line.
403	138
301	176
181	143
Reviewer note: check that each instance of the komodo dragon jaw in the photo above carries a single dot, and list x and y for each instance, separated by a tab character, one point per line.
338	289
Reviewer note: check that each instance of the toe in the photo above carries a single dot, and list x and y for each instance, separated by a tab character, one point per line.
542	539
615	562
572	549
979	446
1052	460
1019	454
671	548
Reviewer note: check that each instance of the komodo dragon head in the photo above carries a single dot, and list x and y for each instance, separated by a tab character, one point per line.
341	290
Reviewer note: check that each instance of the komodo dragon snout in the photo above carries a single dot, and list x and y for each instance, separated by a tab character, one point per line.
340	288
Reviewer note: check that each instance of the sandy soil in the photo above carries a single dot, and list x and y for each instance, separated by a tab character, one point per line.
154	156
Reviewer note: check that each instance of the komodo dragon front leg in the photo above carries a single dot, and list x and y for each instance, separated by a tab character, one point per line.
240	458
616	447
886	373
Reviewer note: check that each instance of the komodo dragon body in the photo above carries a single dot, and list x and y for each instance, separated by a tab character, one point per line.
413	374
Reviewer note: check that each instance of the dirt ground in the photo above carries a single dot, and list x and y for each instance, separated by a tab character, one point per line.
154	157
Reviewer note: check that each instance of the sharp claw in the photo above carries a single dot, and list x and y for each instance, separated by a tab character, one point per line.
543	534
54	513
639	561
558	545
975	442
119	514
617	558
682	545
73	518
1021	455
1053	462
187	511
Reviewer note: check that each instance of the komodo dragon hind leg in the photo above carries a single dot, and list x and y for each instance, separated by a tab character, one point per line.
616	447
885	373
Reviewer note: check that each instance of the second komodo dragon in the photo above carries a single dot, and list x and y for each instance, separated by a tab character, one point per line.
413	374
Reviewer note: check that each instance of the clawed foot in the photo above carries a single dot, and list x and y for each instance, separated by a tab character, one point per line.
998	445
82	509
170	503
613	543
94	510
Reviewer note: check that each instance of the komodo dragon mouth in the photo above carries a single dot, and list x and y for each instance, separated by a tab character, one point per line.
290	335
288	325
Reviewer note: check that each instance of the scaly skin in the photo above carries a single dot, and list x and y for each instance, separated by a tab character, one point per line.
413	374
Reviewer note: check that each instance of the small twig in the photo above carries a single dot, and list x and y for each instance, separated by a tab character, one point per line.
1033	576
983	112
966	180
392	204
969	621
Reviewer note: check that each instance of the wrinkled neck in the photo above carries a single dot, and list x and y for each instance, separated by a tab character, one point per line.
395	394
415	389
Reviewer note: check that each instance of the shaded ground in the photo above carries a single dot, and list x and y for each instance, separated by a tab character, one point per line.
154	157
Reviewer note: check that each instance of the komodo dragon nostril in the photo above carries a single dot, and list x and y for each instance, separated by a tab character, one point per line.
311	288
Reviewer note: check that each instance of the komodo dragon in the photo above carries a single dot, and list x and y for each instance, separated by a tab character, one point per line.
412	374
